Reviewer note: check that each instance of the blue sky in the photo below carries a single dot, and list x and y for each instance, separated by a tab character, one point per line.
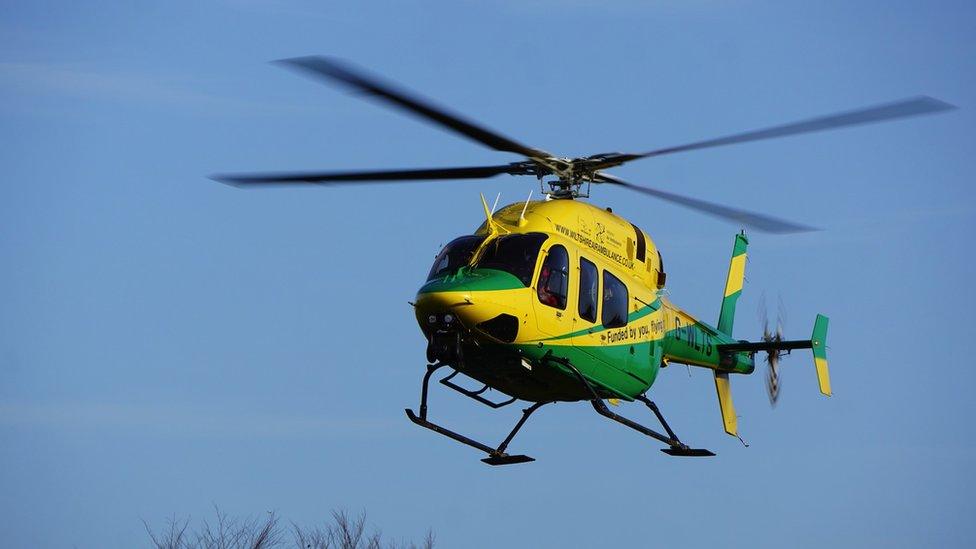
168	343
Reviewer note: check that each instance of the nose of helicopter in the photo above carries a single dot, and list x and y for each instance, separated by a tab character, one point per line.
468	300
433	307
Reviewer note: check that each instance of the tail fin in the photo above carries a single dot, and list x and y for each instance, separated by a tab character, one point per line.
724	389
733	289
819	346
733	284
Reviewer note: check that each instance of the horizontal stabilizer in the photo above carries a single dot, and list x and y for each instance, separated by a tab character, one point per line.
817	343
755	347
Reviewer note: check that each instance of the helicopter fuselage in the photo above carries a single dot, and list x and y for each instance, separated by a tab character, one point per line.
545	291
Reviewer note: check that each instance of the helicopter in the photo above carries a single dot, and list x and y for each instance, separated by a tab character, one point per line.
558	300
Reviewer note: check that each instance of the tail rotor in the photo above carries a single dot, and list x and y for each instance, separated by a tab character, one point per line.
772	355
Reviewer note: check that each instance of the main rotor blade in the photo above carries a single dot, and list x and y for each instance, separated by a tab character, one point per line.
474	172
753	220
336	70
879	113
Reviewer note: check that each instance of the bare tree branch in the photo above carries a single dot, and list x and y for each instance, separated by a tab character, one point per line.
174	537
225	532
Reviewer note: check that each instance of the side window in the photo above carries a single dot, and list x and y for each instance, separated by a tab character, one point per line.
641	244
589	291
615	301
554	278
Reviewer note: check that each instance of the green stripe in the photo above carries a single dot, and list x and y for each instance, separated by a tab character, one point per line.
740	245
636	315
473	280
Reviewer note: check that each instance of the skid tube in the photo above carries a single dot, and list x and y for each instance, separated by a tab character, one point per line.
497	455
675	446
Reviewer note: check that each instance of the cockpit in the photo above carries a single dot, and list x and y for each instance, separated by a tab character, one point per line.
455	255
515	254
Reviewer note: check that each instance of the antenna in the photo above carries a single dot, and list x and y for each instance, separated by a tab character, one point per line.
495	205
522	215
489	223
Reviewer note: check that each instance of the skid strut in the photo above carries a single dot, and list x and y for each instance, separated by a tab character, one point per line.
474	394
675	446
496	456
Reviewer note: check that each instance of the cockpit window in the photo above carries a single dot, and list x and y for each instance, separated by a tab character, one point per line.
513	253
455	255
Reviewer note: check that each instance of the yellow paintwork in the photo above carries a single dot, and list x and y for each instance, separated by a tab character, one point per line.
490	226
823	375
608	239
737	271
724	389
600	236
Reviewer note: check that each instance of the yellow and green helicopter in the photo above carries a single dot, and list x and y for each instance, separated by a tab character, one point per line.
557	300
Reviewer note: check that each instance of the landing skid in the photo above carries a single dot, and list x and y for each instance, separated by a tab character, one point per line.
497	455
688	452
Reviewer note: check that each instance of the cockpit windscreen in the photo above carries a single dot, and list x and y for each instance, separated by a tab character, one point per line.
455	255
513	253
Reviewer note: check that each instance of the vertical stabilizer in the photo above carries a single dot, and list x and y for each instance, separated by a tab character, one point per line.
819	345
724	390
733	284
